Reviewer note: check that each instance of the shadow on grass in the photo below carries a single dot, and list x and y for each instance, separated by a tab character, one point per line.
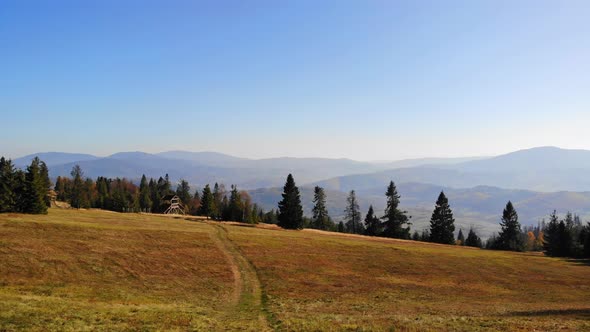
584	262
585	313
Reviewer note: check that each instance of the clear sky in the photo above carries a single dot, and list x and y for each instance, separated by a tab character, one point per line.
367	80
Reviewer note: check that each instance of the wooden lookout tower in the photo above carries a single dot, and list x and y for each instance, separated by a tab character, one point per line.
175	205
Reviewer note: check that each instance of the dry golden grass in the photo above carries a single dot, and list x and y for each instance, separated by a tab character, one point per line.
96	270
77	270
324	281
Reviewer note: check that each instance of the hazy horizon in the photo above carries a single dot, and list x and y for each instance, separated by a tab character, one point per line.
338	79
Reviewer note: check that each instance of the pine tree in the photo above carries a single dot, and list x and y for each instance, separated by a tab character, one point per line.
218	194
77	199
372	223
442	223
35	190
45	181
236	206
320	218
183	191
460	238
473	240
510	234
155	195
196	203
145	200
290	209
394	219
206	208
352	215
103	194
8	184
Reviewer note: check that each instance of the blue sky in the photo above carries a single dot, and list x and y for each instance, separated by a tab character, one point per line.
368	80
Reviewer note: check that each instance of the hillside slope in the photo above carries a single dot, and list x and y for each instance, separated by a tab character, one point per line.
82	270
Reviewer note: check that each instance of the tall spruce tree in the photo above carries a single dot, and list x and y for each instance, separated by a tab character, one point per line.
557	237
236	206
7	186
510	234
155	195
206	208
290	209
35	190
352	215
145	200
320	218
472	239
46	182
372	223
183	191
395	221
77	194
219	193
442	223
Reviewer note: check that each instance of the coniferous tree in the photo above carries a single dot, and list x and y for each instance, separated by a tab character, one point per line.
103	196
551	237
77	194
8	198
372	223
20	191
219	207
416	236
35	190
46	182
183	191
155	195
557	235
206	208
145	199
442	223
290	209
164	189
395	222
460	238
320	218
196	205
236	206
510	234
473	240
352	215
89	192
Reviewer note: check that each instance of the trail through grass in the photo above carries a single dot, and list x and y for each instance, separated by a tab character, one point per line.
247	291
102	271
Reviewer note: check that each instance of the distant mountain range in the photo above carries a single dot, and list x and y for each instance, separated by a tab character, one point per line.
537	180
200	168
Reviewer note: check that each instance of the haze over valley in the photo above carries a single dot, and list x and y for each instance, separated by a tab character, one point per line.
536	180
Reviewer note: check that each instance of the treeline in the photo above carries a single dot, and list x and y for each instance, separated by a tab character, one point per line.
24	191
564	238
153	196
28	191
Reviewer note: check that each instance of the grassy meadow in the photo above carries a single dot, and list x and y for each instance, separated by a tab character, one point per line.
103	271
